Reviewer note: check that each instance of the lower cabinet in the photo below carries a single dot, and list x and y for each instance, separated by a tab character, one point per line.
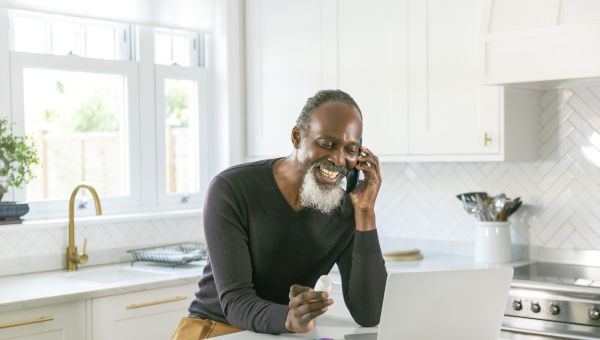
148	315
65	321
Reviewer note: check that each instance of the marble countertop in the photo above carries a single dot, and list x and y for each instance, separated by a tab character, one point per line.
326	327
31	290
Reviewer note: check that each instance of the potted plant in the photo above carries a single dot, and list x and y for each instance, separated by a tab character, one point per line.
17	156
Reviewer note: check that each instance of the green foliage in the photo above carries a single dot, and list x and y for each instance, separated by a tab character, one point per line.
176	102
93	115
17	155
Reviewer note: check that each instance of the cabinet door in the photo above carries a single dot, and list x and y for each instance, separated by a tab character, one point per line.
372	64
289	49
66	321
450	113
148	315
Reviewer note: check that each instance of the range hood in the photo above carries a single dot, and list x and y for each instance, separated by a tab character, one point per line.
546	43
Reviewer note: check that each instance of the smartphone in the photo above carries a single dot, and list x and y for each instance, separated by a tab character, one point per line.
353	176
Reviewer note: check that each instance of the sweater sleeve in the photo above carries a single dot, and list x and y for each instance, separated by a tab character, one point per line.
364	275
227	240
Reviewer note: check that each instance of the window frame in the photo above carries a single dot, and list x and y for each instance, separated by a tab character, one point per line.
144	121
123	46
200	76
129	70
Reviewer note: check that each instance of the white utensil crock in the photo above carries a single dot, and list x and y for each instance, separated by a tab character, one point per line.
492	242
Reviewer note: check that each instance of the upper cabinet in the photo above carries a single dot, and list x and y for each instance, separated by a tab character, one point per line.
413	67
450	113
372	67
287	47
540	40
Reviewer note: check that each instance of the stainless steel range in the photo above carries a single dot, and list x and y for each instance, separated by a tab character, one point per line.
553	300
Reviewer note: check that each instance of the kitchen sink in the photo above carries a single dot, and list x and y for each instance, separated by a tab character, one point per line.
113	274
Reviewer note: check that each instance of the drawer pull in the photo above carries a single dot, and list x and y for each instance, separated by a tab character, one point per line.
27	322
157	302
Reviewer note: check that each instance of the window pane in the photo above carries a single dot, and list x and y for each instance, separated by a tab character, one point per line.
100	42
75	119
162	49
29	35
181	116
181	50
66	38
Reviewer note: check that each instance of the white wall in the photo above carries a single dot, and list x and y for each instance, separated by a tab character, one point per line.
189	14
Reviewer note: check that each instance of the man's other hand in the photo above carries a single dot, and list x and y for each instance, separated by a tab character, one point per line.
305	306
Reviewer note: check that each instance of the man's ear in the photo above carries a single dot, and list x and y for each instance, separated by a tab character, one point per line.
296	137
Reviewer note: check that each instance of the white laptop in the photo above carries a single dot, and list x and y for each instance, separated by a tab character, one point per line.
443	305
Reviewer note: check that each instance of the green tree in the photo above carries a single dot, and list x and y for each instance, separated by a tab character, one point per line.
94	115
177	105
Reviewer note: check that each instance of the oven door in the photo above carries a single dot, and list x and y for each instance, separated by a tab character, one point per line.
518	328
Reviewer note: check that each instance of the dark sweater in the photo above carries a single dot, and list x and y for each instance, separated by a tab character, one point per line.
259	246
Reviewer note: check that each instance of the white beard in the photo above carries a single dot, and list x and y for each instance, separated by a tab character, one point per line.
325	200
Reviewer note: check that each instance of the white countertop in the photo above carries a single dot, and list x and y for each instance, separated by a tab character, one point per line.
337	322
31	290
326	326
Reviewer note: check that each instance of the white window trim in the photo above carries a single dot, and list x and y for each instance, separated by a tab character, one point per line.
122	39
21	60
200	76
146	194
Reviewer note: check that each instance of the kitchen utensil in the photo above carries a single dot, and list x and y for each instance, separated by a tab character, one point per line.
471	196
513	207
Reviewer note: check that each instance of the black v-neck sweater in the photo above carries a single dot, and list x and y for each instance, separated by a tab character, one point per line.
259	246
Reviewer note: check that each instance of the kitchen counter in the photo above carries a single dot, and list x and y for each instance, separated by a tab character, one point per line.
329	327
32	290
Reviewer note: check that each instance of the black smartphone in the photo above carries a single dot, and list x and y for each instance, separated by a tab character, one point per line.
353	176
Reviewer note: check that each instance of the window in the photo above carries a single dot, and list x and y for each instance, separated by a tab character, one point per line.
182	105
60	35
181	115
131	129
180	48
75	119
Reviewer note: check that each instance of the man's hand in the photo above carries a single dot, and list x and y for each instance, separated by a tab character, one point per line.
305	306
364	196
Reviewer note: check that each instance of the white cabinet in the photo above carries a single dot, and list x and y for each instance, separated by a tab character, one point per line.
148	315
372	65
449	114
540	40
413	66
66	321
287	47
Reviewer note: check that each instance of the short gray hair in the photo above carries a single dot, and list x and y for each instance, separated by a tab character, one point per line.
320	98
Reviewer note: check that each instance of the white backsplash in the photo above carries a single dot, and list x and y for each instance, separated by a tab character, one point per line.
37	247
561	189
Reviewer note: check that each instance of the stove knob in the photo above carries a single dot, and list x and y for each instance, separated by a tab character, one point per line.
554	309
535	307
517	305
594	314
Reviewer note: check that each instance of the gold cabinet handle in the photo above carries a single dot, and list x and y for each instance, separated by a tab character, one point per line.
486	139
27	322
154	303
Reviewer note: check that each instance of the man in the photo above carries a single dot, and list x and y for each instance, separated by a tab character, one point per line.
273	227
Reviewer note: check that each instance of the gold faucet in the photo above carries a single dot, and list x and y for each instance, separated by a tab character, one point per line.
73	257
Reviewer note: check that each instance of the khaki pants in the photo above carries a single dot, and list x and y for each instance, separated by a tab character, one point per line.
196	329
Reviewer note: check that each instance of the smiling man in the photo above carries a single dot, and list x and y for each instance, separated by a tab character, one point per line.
273	227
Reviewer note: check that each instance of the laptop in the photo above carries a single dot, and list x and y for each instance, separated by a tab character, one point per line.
447	305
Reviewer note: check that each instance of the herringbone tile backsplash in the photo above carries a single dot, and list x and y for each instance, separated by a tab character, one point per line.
561	189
